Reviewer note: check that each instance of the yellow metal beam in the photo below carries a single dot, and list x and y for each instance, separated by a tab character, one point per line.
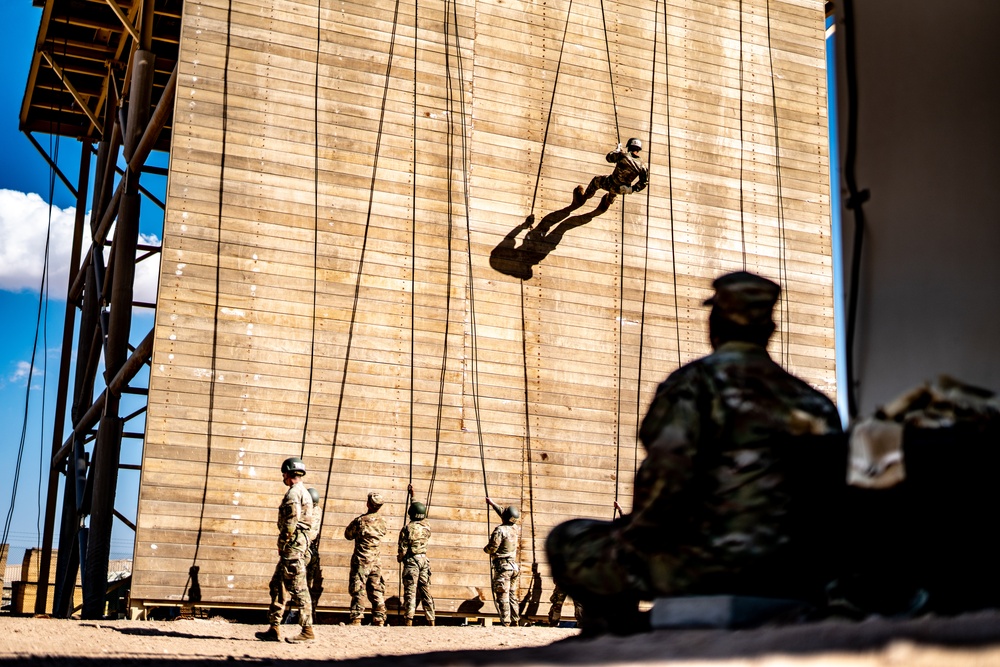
124	19
72	91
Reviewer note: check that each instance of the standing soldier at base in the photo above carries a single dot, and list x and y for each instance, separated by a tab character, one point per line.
557	600
502	548
314	571
628	168
294	524
367	532
412	553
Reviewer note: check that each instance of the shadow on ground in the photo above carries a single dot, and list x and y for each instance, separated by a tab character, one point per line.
972	631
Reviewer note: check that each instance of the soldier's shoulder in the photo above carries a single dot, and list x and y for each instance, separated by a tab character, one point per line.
686	377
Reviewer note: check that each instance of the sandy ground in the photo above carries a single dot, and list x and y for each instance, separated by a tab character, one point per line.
967	641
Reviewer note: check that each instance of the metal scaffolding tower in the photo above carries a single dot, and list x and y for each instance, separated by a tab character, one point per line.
104	72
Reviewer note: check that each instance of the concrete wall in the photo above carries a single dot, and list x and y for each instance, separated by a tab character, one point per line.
929	152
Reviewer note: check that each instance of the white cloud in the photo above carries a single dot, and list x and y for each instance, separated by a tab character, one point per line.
20	374
24	218
147	272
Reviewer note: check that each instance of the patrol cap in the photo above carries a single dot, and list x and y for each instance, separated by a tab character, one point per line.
744	298
375	499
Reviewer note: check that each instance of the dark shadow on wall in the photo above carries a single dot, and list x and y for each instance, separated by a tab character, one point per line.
517	260
533	596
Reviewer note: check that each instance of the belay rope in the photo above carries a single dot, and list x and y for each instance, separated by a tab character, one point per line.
315	276
784	329
361	259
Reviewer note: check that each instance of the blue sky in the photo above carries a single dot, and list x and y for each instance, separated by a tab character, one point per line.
24	218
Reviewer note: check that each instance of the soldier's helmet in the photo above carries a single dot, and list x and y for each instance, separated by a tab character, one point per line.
417	511
744	298
293	466
374	500
510	514
314	494
634	144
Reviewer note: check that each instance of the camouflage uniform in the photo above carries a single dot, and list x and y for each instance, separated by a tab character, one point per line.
627	169
502	548
314	570
710	503
367	532
557	600
412	554
294	525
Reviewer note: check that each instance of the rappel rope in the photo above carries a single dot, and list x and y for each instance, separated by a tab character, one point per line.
315	277
218	288
364	248
785	330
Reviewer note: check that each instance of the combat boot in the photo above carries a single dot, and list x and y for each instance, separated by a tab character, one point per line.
272	634
578	196
606	202
356	621
430	622
408	622
305	636
378	621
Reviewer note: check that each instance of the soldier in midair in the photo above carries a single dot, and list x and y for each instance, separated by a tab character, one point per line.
629	175
294	525
367	532
412	553
502	548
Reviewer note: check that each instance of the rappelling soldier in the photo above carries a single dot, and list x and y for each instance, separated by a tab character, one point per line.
502	548
630	175
314	570
412	553
367	532
294	526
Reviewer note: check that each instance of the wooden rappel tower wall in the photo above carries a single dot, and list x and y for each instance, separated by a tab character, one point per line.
351	271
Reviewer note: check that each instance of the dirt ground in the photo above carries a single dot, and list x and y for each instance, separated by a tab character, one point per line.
967	641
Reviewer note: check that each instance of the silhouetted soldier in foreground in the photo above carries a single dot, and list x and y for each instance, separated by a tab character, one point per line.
710	506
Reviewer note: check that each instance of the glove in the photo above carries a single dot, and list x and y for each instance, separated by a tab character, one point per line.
639	188
625	190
